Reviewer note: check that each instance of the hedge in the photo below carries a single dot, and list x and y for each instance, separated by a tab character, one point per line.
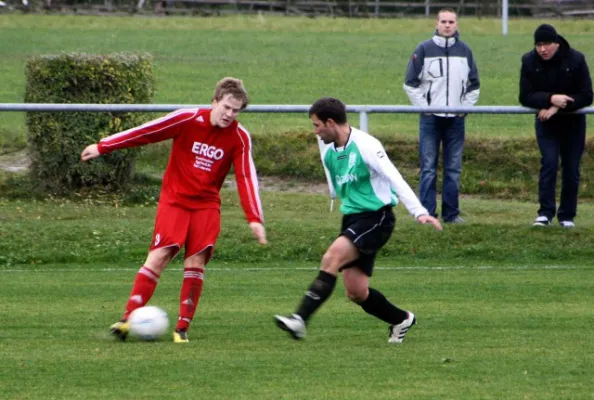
56	139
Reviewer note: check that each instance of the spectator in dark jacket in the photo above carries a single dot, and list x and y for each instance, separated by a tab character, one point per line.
555	80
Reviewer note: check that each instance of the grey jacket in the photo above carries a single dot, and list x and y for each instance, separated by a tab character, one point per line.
442	72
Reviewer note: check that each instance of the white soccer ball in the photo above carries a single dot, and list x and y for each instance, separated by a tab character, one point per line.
148	323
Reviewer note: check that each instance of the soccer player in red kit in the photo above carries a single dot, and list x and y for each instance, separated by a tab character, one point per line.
206	142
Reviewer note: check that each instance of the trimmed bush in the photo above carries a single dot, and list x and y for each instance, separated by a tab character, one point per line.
56	139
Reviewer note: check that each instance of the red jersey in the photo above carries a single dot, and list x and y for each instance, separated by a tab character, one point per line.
200	159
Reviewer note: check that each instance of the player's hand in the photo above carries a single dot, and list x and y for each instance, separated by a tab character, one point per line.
90	152
428	219
259	232
561	100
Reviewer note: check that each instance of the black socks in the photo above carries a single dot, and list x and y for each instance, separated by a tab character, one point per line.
377	305
319	291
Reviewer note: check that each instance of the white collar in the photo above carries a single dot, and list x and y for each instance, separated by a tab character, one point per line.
441	41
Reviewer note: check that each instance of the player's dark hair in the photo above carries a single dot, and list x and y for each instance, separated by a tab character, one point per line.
329	108
234	87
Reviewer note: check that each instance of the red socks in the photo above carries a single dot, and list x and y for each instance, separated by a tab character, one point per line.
146	282
142	290
189	296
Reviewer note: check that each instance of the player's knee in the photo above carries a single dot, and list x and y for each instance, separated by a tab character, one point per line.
193	263
330	263
356	296
157	260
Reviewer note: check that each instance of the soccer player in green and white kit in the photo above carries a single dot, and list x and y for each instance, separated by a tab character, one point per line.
368	186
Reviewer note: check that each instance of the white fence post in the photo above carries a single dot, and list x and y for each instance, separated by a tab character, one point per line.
363	121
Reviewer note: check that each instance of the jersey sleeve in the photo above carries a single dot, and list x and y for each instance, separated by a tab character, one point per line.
153	131
246	178
376	158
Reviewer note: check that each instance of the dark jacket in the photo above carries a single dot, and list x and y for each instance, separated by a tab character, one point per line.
566	73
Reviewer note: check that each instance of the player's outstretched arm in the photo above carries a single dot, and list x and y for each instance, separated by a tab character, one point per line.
90	152
428	219
259	232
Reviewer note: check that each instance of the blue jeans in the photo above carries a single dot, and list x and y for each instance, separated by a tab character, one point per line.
433	131
560	139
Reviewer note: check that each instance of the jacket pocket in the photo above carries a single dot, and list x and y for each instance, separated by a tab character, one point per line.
435	69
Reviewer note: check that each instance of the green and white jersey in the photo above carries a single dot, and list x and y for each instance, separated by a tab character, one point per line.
364	178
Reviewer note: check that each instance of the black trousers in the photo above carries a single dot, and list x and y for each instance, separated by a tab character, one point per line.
561	138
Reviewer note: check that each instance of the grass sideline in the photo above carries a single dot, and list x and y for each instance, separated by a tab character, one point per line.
360	61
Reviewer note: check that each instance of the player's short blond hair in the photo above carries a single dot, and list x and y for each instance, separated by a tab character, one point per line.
447	10
234	87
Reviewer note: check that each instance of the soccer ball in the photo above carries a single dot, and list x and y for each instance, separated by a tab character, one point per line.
148	323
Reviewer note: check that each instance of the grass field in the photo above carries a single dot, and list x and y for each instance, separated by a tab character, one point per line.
514	333
360	61
504	309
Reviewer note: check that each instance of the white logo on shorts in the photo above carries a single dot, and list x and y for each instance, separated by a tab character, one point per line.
157	239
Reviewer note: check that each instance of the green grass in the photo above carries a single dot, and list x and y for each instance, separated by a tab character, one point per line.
513	333
360	61
504	309
89	232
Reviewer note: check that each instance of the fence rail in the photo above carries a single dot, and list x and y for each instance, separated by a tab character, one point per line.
362	110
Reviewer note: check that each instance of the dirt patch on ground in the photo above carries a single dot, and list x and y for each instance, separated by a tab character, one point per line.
279	184
15	162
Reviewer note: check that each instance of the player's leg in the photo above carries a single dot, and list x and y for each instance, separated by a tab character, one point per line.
341	252
373	302
371	232
190	293
148	277
171	224
143	287
204	229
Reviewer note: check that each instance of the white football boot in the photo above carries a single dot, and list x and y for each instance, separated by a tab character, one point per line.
397	332
293	324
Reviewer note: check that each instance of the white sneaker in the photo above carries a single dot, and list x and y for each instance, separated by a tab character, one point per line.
567	224
541	220
293	324
397	332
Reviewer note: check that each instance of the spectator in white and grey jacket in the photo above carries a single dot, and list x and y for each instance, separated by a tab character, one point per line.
442	73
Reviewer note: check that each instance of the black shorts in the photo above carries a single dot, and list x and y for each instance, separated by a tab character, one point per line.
368	231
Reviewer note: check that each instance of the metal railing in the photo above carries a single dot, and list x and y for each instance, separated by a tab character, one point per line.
362	110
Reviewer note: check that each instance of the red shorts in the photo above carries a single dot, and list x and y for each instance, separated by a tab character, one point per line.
197	230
